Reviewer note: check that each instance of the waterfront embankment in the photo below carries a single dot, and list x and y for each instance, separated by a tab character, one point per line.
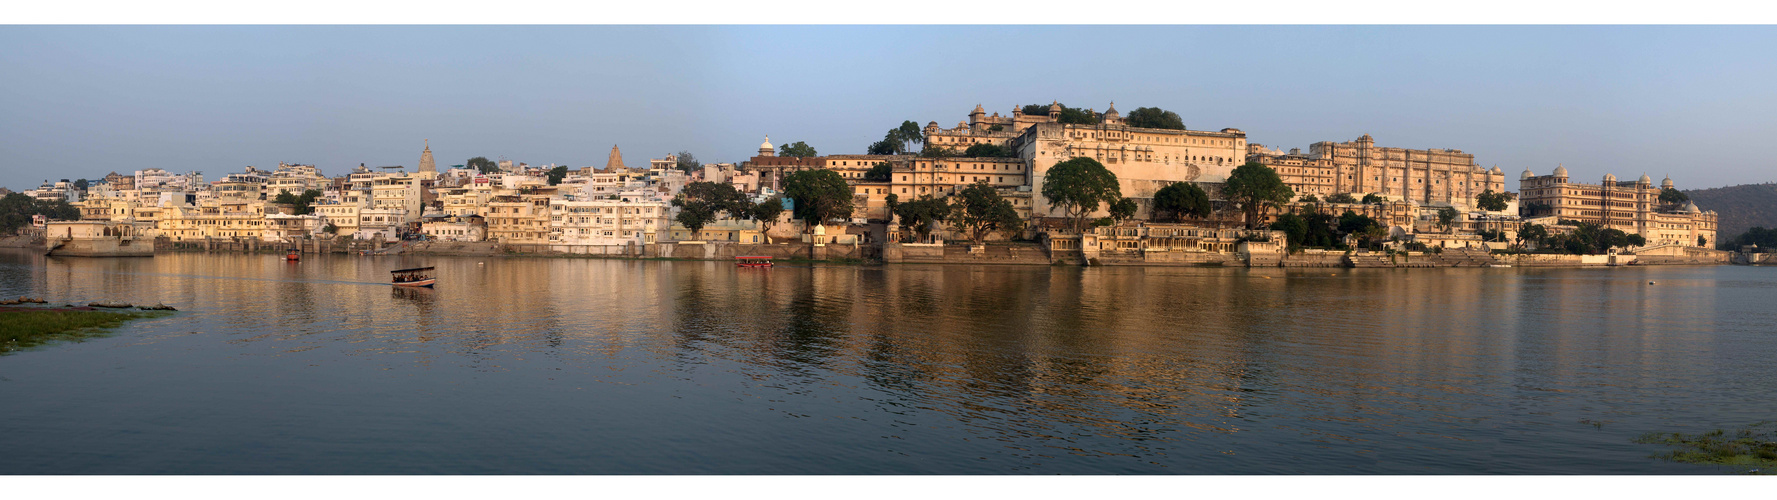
1016	253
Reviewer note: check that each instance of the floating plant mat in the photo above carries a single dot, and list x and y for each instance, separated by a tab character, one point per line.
1752	449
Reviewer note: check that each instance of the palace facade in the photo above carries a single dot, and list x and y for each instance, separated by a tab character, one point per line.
1630	206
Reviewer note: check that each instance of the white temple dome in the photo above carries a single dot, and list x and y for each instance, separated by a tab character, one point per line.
1560	171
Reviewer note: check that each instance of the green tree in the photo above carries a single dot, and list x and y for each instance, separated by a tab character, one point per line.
556	174
1702	242
938	152
1294	227
482	164
1078	186
881	172
1308	198
1121	210
1155	118
1374	199
1672	198
1341	198
819	196
1446	216
1035	110
882	147
979	210
1532	233
687	162
1077	116
797	149
80	184
694	215
1255	187
701	203
16	210
987	151
303	203
1766	239
1179	200
767	212
1491	201
1636	240
330	228
908	133
919	215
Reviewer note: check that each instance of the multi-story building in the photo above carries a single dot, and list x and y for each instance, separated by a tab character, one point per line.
1306	175
1144	159
1630	206
607	221
295	179
1419	176
468	228
518	219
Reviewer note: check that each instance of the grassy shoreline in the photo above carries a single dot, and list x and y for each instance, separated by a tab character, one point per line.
25	327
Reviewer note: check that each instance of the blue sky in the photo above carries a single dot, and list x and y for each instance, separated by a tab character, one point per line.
1693	102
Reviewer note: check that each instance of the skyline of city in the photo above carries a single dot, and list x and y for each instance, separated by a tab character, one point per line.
126	98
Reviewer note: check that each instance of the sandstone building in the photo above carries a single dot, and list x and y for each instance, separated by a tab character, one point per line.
1630	206
1417	176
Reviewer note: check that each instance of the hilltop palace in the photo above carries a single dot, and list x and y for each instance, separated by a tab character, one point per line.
623	205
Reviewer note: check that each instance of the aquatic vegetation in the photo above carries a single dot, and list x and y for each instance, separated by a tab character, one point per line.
1753	449
20	329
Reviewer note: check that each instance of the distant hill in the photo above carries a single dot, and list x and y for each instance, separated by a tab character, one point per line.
1739	208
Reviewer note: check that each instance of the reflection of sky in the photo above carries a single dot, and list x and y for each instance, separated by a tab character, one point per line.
912	368
219	98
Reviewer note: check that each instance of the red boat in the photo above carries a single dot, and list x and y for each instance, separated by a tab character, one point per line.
292	255
753	261
417	276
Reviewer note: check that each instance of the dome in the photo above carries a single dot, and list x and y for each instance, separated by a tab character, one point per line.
1526	175
1496	171
1610	178
1560	171
1646	180
978	109
1666	183
1055	107
1111	110
764	146
1690	207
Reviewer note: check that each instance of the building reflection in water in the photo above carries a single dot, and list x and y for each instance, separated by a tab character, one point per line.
1159	360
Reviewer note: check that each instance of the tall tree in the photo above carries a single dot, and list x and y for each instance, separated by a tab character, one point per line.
1078	186
767	212
1121	210
818	195
1155	118
882	147
1078	116
1491	201
482	164
1294	227
881	172
556	174
919	215
701	203
797	149
1255	187
908	133
687	162
1672	198
1446	216
1179	200
302	203
979	210
987	151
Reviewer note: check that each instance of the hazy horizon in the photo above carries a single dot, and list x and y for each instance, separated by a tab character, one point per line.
88	100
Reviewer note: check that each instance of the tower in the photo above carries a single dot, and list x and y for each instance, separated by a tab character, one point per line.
615	160
426	163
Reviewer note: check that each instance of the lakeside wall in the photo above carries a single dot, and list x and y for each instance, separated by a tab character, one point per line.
1018	253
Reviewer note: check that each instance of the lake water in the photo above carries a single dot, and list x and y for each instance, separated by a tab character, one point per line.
584	366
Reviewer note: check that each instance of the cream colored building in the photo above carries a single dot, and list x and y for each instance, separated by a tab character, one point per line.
518	219
1419	176
1630	206
607	222
1144	159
